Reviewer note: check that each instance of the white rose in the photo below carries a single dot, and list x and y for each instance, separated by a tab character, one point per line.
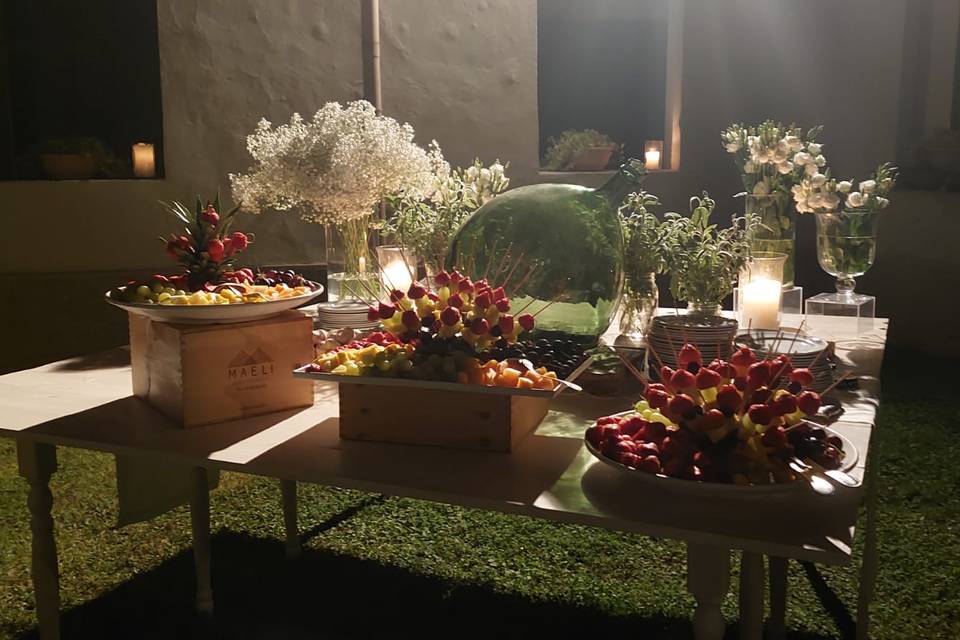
484	175
793	143
802	157
749	167
818	179
844	186
820	161
732	147
472	173
760	189
780	153
810	169
855	199
785	167
829	201
815	201
813	149
882	203
868	186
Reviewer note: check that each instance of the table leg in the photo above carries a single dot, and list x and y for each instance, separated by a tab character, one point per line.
200	526
868	569
288	493
751	596
37	462
777	625
708	578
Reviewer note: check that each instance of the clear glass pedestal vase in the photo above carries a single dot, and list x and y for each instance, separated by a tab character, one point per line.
640	300
778	234
846	248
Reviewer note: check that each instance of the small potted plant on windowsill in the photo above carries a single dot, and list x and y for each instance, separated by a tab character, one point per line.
73	158
579	150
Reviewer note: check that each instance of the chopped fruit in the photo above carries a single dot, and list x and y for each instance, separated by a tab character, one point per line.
373	315
689	353
758	374
707	378
387	310
802	376
728	398
809	402
526	321
760	414
742	359
450	316
683	379
681	404
416	291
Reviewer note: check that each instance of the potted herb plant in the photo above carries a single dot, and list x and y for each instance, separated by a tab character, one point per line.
76	158
579	150
702	259
643	245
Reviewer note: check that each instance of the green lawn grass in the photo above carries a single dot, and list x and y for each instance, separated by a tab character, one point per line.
376	566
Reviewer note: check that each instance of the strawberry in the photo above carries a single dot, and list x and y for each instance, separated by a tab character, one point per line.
450	316
482	300
724	368
673	449
809	402
683	379
479	326
650	464
386	310
784	404
647	449
455	301
802	376
666	373
760	414
656	398
758	374
503	305
713	419
498	294
373	315
707	378
410	319
396	295
526	321
442	278
656	432
465	286
681	404
594	434
742	359
775	438
628	459
416	291
689	353
456	277
633	425
781	366
506	324
760	395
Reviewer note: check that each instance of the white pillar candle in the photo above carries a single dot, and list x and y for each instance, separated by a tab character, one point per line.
396	275
652	157
144	162
759	302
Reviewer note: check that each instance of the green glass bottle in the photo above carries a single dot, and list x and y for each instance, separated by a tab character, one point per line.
556	248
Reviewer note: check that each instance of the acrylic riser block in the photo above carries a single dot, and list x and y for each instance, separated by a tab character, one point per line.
852	305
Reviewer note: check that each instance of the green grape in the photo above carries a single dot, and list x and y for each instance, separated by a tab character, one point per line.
143	291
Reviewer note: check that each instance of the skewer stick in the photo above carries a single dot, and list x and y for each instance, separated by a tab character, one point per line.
655	355
546	306
835	383
524	308
676	353
632	369
534	269
503	264
776	342
817	359
493	250
506	280
413	276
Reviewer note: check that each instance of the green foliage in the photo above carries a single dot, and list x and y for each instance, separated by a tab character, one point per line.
569	145
703	260
107	162
643	237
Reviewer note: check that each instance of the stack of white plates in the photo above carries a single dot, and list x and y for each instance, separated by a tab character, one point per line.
804	352
712	335
337	315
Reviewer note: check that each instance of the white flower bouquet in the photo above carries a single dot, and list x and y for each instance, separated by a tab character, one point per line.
819	193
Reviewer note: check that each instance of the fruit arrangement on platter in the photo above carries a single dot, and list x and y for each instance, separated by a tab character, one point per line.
446	335
722	422
207	251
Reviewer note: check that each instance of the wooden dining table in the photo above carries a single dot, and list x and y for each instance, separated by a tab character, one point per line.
86	403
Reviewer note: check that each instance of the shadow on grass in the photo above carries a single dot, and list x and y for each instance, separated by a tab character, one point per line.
261	595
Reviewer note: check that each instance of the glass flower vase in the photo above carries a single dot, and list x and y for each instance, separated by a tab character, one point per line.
778	233
847	246
640	299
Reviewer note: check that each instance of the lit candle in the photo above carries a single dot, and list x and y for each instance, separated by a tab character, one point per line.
144	163
396	275
652	157
760	303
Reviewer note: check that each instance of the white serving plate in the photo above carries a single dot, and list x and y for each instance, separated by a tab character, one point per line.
214	313
699	487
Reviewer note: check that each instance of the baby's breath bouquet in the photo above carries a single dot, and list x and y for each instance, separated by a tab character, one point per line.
425	222
333	169
772	158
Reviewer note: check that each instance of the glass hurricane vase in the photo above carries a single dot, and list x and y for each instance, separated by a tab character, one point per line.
778	233
640	299
847	246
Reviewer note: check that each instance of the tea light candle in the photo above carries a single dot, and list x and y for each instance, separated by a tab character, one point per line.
760	303
652	157
653	153
144	162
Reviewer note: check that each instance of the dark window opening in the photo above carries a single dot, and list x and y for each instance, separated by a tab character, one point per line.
602	65
79	86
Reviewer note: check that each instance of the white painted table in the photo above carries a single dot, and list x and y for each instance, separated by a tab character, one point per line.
86	403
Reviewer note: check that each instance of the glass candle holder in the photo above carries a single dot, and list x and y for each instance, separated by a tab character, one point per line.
398	267
761	288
